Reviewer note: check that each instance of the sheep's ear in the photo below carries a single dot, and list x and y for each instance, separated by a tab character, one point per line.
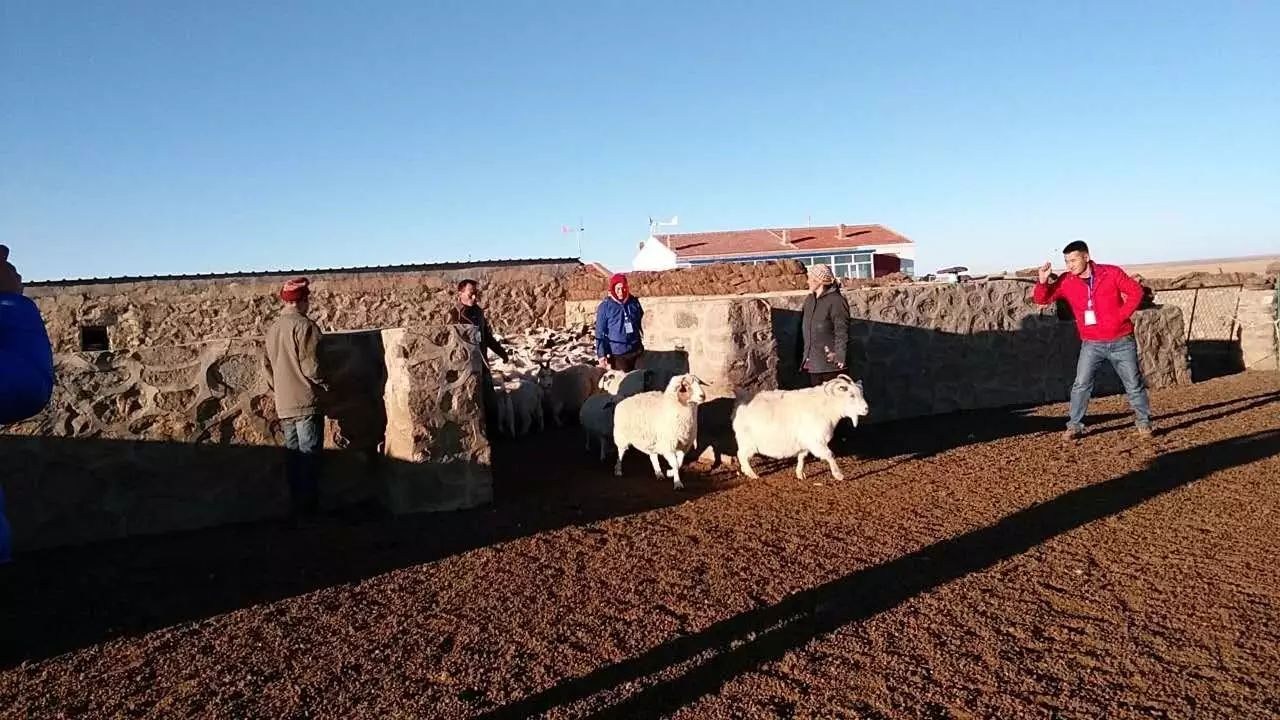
700	381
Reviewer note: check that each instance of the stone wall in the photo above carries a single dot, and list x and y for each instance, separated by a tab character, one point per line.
175	312
715	280
180	437
928	349
921	349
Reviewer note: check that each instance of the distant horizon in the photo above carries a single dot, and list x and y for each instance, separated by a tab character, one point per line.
431	265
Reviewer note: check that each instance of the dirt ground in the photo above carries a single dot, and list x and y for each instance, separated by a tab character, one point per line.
968	566
1257	264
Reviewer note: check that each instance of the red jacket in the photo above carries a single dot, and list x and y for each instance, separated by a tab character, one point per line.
1115	298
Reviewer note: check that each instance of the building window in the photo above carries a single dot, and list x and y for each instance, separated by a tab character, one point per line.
93	338
908	267
852	265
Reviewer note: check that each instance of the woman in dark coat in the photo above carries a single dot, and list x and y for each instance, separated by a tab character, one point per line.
824	327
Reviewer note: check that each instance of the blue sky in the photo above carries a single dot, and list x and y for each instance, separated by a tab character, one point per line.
158	137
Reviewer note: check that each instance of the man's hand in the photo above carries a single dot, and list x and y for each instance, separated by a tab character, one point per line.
831	358
10	280
1045	271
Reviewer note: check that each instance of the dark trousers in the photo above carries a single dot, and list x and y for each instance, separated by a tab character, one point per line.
489	396
625	363
303	442
816	379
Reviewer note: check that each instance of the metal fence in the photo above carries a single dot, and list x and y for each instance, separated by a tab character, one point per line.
1212	329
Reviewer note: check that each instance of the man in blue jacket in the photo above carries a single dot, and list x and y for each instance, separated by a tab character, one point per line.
619	336
26	365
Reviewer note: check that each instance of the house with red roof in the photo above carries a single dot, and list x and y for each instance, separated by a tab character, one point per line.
854	251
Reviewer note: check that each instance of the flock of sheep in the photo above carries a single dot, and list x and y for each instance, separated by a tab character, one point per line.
656	413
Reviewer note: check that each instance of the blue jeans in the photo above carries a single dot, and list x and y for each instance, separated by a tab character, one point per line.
1123	355
304	441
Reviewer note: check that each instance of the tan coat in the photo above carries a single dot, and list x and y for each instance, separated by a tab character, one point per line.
292	364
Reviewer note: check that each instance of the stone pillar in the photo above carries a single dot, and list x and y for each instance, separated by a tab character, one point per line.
438	456
728	342
1258	328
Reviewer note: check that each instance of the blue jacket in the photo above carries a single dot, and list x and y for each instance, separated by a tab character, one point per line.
26	359
612	318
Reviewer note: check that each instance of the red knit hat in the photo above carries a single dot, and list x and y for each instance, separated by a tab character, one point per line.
295	290
626	287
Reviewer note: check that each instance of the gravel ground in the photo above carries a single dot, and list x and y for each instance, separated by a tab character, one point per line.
969	566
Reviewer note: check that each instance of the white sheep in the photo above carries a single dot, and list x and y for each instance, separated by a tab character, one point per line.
596	419
506	415
525	397
795	423
565	390
660	423
596	414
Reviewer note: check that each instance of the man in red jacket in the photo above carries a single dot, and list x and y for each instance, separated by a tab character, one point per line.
1103	299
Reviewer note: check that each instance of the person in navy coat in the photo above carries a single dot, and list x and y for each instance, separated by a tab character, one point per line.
619	327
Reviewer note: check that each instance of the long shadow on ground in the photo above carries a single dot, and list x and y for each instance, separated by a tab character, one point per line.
679	672
58	600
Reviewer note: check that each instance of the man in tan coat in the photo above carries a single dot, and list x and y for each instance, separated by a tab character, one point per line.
294	376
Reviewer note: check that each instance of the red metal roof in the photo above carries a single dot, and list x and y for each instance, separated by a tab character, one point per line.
771	241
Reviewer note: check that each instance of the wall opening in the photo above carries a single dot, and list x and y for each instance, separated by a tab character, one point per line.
93	338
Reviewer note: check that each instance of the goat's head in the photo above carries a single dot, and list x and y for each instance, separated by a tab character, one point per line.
687	389
848	393
545	375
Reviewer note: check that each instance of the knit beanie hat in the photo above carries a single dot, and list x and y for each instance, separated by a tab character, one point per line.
295	290
822	273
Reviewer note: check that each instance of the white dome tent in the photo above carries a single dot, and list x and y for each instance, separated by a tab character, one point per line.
654	255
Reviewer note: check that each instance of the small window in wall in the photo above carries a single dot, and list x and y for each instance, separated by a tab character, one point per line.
93	338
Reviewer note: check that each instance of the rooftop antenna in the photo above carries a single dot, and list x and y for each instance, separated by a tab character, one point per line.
675	220
578	232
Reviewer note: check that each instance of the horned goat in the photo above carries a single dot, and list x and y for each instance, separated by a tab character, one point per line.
795	423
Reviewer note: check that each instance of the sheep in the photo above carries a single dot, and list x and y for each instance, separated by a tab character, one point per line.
506	415
795	423
660	423
525	398
626	384
596	418
596	414
564	391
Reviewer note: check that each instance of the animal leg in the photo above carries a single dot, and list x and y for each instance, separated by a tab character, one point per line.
676	459
744	464
824	453
617	467
800	464
657	468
